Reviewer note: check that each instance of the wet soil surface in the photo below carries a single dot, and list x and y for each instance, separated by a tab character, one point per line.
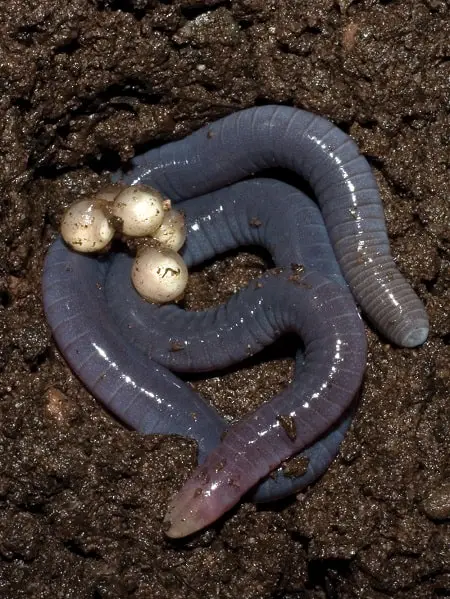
85	84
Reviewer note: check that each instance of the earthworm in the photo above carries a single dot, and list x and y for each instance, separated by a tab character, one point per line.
255	139
231	149
322	312
117	313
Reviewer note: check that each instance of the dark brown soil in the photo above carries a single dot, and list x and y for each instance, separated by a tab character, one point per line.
83	84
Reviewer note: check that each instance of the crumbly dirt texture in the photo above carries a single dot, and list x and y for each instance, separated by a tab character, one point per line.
84	85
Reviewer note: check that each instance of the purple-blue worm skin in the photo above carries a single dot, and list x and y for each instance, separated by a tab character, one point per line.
239	215
255	139
233	148
217	222
322	312
242	214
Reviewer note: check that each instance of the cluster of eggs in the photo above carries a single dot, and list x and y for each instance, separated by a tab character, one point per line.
159	273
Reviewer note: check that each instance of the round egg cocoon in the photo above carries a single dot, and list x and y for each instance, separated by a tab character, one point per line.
85	227
141	210
172	232
159	275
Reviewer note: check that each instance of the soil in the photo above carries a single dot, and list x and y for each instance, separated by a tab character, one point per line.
84	85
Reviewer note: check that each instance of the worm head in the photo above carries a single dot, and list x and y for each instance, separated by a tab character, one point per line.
210	492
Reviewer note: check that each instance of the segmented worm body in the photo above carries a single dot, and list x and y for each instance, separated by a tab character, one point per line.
255	139
239	215
95	312
89	321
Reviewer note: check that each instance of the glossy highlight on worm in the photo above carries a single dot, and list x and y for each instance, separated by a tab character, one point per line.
255	139
142	392
110	325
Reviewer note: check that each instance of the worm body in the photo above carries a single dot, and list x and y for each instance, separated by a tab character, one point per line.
94	297
101	332
143	394
235	216
150	399
252	140
323	314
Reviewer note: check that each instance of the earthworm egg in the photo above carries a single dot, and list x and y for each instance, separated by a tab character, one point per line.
159	274
141	210
85	227
172	232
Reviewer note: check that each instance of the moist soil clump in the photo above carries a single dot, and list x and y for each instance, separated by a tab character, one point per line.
86	84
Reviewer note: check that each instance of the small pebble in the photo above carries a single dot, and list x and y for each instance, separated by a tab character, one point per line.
437	505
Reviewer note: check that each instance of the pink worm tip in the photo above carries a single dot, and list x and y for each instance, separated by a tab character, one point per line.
194	508
182	526
213	489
